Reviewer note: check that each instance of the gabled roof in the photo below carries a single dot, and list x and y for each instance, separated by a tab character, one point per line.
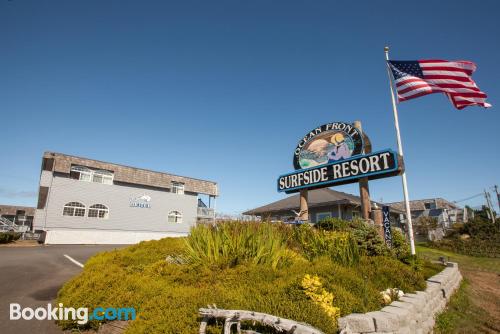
316	198
419	204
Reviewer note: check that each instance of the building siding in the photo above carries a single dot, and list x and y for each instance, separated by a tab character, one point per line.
122	217
126	174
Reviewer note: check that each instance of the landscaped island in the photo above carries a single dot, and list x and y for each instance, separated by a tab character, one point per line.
308	274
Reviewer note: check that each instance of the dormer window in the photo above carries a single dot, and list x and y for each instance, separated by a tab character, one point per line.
102	176
430	205
83	173
178	188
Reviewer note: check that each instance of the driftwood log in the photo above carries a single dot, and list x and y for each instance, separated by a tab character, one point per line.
235	317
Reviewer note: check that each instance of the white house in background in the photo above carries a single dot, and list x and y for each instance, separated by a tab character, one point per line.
85	201
446	213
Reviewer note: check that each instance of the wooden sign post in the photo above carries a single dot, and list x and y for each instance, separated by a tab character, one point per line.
364	190
304	207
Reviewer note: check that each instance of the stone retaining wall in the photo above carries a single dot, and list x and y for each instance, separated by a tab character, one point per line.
414	313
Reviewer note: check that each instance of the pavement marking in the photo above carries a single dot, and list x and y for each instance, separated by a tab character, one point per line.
73	260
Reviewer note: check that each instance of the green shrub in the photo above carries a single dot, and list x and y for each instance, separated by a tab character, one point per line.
6	237
401	247
167	296
483	239
312	243
256	266
367	236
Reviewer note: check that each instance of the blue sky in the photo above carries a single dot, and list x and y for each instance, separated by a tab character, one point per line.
223	90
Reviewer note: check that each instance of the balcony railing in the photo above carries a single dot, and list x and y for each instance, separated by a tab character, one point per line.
206	212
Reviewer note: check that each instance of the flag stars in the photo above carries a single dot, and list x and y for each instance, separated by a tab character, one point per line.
405	68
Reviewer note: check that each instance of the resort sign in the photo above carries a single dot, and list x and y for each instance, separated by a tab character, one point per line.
334	154
328	143
373	166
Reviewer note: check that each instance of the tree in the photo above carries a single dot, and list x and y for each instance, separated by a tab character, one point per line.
426	224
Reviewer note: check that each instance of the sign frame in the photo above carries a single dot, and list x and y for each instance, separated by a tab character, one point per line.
396	170
325	128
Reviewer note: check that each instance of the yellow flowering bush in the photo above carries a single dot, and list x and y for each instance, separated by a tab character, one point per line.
314	289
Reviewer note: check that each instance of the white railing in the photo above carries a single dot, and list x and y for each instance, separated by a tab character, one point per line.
206	212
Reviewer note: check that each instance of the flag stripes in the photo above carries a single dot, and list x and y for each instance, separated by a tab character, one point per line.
453	78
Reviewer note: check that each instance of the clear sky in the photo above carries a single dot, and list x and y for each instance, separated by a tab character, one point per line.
224	90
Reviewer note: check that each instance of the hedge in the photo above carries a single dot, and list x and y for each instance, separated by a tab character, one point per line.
168	280
6	237
478	237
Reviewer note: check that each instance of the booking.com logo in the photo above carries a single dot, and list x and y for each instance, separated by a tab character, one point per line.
81	315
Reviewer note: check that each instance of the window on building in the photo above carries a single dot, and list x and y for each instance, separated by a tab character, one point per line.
98	211
178	188
83	173
429	205
322	215
102	176
76	209
175	217
355	214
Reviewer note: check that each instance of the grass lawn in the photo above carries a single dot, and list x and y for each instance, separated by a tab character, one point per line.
475	308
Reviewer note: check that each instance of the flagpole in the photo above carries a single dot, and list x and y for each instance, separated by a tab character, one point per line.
400	150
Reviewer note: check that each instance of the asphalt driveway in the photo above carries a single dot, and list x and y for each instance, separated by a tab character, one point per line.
31	276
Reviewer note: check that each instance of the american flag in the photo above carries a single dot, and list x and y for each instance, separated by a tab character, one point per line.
416	78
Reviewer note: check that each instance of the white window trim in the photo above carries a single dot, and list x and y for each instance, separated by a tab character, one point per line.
178	188
74	208
106	216
177	216
104	174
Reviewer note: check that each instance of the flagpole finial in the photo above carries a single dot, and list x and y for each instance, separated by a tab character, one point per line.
386	49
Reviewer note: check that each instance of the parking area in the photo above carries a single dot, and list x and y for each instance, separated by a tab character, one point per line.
32	276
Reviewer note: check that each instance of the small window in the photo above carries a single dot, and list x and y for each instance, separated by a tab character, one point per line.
98	211
102	176
323	215
178	188
429	205
75	209
355	214
175	217
83	173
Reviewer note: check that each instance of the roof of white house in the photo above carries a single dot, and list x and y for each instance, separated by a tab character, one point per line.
419	204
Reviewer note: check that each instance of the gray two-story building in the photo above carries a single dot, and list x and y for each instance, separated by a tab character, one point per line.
85	201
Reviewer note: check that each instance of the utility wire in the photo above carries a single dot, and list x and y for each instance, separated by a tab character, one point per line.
468	198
